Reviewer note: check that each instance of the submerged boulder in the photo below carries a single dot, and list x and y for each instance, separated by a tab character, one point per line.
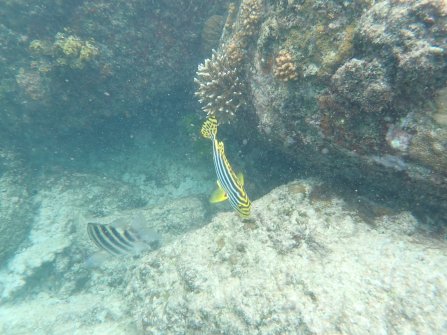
16	209
305	263
350	90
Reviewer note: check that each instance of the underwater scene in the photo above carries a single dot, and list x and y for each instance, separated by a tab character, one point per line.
223	167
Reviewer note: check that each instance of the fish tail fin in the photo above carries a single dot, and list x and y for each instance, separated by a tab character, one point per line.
209	127
218	195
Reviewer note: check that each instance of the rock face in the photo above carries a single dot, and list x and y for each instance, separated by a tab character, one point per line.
304	264
86	313
56	239
74	65
352	89
57	242
15	204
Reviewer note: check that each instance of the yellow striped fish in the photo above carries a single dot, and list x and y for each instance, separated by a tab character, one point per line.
230	186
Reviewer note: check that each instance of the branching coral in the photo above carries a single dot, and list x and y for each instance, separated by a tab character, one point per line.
229	23
234	52
220	88
285	68
249	16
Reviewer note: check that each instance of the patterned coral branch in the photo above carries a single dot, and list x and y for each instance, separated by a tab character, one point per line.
219	79
219	86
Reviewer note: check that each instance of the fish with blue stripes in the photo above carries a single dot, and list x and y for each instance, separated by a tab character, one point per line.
230	185
123	238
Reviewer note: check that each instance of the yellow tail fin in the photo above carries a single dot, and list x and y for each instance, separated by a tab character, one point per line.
209	127
218	195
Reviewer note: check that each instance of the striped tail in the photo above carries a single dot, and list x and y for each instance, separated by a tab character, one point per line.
209	127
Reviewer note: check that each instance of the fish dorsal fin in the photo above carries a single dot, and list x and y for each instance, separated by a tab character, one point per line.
221	147
240	178
120	223
218	195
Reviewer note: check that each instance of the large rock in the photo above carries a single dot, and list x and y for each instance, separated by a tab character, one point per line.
351	90
54	242
16	207
304	264
87	313
73	65
57	242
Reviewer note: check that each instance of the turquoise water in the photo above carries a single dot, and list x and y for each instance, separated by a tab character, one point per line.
333	112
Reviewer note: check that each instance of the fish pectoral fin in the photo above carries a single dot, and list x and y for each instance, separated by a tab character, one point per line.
218	195
240	178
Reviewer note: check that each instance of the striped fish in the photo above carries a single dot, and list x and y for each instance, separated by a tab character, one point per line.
230	185
118	240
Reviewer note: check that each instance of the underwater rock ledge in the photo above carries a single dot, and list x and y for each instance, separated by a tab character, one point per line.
302	265
352	91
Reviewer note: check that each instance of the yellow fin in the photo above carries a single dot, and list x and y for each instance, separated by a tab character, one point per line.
240	178
218	195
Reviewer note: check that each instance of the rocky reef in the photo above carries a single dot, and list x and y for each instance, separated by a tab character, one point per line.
16	204
45	215
57	281
100	122
220	86
306	263
76	65
352	90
